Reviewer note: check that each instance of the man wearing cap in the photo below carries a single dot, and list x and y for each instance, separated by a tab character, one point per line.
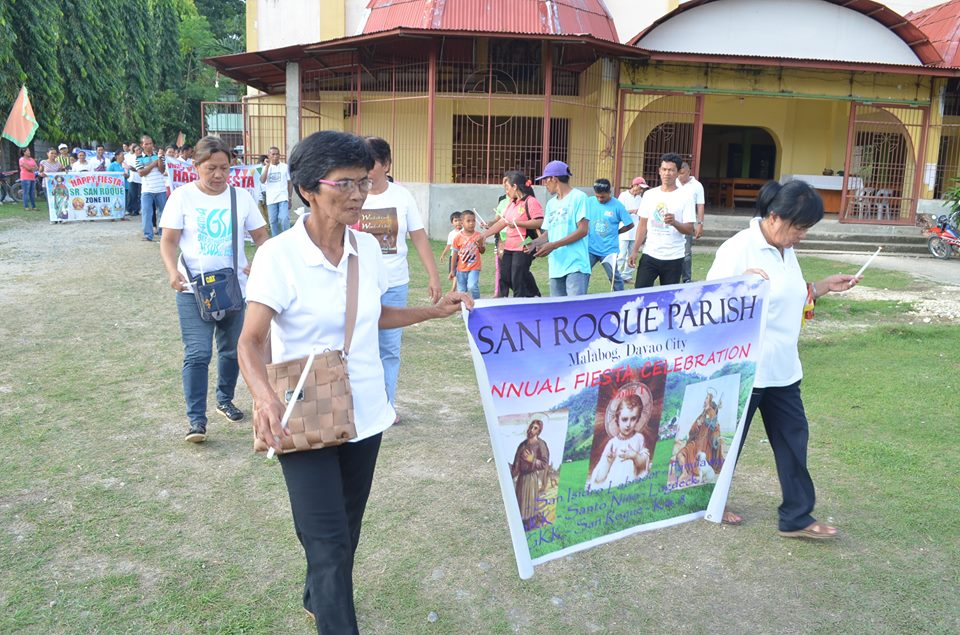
566	225
694	188
63	158
608	219
631	201
666	216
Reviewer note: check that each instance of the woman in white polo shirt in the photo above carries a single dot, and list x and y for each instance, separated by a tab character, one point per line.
297	296
766	248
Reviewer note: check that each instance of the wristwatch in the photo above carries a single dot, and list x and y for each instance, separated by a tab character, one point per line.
699	222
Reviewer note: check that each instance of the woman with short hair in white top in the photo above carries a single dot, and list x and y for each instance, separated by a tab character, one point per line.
786	212
297	297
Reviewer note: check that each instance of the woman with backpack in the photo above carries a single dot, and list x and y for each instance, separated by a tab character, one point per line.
521	219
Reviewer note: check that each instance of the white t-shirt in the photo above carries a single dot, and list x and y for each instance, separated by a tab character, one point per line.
631	202
81	167
276	185
779	360
96	162
309	295
130	163
453	234
207	237
695	188
394	207
663	241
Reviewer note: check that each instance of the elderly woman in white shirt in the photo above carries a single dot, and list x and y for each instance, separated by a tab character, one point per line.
766	248
297	296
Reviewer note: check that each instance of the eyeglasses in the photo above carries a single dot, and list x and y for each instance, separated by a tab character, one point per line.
348	186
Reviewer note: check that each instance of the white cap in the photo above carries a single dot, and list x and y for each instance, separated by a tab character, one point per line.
62	146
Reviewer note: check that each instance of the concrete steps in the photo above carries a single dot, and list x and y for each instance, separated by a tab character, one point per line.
828	235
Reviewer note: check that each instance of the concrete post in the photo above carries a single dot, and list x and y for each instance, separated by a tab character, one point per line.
293	106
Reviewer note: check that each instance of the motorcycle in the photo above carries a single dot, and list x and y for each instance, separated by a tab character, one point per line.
944	240
6	185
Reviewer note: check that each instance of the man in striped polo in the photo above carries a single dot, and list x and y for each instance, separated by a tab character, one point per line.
153	188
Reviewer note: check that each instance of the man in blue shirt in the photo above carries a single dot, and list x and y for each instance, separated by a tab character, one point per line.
565	227
606	215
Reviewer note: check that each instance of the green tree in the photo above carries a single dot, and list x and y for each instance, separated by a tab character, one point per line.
37	32
12	75
89	79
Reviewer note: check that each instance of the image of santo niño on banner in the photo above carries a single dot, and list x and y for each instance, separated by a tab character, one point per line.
615	413
85	196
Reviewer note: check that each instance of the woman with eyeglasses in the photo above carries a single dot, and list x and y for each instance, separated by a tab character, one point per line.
197	221
395	216
297	296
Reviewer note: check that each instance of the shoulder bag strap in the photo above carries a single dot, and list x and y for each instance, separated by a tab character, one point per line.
353	292
233	221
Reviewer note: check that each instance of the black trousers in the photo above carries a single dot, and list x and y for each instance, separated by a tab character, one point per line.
328	491
515	274
788	432
651	268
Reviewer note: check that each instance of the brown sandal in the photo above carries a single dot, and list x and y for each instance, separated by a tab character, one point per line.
729	518
815	530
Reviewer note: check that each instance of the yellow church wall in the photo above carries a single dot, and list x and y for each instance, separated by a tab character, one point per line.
787	82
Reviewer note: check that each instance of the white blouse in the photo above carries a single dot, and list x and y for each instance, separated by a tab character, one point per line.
291	275
779	360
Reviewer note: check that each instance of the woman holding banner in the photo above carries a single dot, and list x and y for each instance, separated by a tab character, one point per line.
297	301
197	220
766	248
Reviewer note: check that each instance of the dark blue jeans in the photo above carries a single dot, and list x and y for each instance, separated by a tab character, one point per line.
198	339
29	193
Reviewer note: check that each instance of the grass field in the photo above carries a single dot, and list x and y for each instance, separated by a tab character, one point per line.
110	523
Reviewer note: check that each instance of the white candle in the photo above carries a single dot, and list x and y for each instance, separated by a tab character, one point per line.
866	264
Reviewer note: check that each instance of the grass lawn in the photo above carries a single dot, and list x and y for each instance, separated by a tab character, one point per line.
110	523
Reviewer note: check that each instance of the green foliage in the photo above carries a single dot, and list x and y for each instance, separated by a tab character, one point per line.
37	32
98	70
952	196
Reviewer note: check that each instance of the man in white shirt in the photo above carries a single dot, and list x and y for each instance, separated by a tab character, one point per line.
133	179
275	180
631	200
666	216
695	189
99	161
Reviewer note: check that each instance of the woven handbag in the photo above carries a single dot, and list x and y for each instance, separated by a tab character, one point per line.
322	412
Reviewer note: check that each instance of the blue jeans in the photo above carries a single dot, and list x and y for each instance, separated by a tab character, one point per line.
575	283
469	281
279	214
617	280
390	341
29	193
150	202
198	338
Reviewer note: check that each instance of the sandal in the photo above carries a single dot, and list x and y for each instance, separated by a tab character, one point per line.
729	518
815	530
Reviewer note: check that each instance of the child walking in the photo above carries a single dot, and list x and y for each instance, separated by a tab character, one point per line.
456	223
467	248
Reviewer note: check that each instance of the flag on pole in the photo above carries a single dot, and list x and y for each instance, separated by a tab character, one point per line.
181	139
21	124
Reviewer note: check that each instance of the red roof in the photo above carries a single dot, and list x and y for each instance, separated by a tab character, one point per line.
551	17
941	25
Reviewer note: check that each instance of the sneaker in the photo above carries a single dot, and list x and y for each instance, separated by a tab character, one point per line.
231	412
148	239
197	434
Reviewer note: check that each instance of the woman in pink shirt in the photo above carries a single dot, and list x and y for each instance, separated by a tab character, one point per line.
28	179
522	218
